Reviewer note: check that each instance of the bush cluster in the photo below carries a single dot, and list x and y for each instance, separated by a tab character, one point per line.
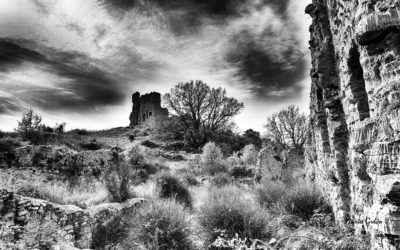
121	172
149	144
112	231
231	142
212	159
228	210
159	224
221	180
300	199
241	171
190	180
171	187
8	144
93	146
175	146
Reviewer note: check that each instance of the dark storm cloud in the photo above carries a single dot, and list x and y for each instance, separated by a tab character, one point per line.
185	17
255	62
210	7
268	72
83	86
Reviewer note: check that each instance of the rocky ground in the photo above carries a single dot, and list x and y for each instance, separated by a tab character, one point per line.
56	196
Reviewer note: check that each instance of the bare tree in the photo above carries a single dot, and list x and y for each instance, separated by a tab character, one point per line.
202	109
288	127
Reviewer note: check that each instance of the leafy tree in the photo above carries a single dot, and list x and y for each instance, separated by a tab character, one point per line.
288	127
30	127
252	137
60	128
202	109
29	122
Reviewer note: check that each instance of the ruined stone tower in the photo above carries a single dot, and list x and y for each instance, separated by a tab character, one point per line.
353	152
147	109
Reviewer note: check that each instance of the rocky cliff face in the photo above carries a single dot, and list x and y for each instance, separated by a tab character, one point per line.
354	148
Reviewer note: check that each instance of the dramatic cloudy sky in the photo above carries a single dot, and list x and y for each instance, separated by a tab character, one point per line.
79	61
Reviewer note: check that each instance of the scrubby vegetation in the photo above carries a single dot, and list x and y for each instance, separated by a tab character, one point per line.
203	197
230	212
159	224
300	198
84	193
221	180
172	187
212	159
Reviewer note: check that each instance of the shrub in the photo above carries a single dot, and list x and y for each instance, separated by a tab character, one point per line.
117	178
212	159
80	131
141	168
93	146
2	134
241	171
131	137
173	157
212	154
302	199
170	186
110	232
250	154
190	180
30	125
159	224
175	146
228	210
171	129
59	128
352	243
269	193
8	144
213	170
221	180
149	144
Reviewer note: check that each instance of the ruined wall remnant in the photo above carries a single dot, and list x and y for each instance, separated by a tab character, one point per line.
353	151
147	109
28	223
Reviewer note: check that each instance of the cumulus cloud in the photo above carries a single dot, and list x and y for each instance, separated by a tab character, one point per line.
78	56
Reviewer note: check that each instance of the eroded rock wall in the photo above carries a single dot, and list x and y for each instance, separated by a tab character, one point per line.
27	223
354	148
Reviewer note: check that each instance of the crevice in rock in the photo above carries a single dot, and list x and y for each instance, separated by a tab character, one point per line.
357	83
323	122
394	195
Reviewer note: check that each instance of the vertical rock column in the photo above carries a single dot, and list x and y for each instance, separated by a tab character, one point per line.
354	149
331	165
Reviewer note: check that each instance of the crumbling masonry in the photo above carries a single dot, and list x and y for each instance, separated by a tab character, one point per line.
147	109
354	149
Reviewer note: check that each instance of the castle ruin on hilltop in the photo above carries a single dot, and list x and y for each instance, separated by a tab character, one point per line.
147	109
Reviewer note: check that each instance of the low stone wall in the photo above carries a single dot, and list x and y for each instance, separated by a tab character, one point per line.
27	223
59	159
